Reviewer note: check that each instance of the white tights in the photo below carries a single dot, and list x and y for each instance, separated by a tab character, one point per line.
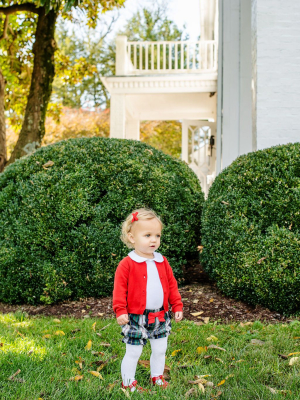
133	353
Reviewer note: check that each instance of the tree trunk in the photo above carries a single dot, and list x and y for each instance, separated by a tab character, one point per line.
3	153
33	128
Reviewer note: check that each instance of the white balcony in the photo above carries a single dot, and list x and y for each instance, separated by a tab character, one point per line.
165	57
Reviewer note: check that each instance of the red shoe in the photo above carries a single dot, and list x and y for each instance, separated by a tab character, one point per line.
134	384
162	382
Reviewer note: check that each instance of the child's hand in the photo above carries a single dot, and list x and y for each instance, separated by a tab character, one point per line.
178	316
123	319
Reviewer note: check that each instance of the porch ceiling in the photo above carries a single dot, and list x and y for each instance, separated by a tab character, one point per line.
169	106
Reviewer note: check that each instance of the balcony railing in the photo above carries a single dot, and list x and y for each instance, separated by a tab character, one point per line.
165	57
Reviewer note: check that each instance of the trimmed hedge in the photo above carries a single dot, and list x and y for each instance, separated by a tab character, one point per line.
61	224
251	229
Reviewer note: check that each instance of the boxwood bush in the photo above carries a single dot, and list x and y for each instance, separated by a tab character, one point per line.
60	224
251	229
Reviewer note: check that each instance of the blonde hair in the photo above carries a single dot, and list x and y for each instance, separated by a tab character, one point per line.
144	214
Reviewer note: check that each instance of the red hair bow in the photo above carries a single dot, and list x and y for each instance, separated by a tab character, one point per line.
134	217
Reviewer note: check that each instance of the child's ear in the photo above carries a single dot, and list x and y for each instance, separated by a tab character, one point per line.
130	237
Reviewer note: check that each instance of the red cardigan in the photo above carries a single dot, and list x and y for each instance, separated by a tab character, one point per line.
129	295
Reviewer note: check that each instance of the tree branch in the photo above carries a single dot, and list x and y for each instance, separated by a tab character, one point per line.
4	35
19	7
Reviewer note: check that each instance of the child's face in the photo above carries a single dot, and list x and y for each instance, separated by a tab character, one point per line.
145	237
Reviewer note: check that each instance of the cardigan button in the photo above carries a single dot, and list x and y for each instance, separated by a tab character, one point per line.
144	277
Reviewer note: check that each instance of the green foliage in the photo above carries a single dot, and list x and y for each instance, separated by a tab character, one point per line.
61	225
163	135
251	229
16	60
82	59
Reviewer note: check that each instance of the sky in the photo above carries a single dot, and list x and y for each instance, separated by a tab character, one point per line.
180	11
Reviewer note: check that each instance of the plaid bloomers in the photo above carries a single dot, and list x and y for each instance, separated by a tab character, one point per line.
138	330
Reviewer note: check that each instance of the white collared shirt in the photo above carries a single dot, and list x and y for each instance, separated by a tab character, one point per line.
155	293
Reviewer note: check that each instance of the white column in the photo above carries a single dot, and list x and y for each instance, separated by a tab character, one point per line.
121	55
117	116
185	141
276	84
234	115
132	130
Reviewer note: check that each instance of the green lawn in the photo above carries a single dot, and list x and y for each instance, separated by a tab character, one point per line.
48	363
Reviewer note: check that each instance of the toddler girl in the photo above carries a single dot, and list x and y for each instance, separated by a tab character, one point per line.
143	288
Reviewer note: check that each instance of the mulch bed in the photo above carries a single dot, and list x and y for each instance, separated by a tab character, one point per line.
197	297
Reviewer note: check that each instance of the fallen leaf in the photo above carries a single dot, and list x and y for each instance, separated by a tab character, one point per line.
229	376
201	349
14	375
79	362
206	320
261	260
221	383
59	333
125	392
296	337
292	354
283	356
209	384
104	344
225	202
211	300
78	378
144	363
111	385
219	359
48	164
21	334
174	353
201	387
257	341
94	326
47	336
189	392
97	353
218	393
89	345
200	380
294	360
213	346
195	314
213	338
195	301
105	325
273	391
238	361
96	374
207	357
56	320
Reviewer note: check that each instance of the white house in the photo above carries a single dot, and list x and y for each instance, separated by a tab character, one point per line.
236	90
